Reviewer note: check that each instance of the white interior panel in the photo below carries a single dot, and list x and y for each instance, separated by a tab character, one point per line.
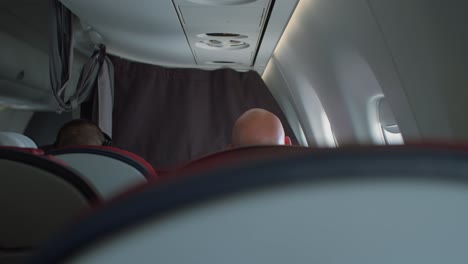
12	120
24	64
165	32
23	35
279	18
281	90
25	20
245	19
143	30
17	56
334	48
237	56
428	40
24	71
250	16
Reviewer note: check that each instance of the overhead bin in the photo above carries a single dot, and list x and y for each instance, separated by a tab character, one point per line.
239	34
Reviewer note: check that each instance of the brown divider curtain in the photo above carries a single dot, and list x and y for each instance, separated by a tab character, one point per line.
171	116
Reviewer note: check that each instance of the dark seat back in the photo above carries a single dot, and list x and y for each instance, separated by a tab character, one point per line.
233	157
38	197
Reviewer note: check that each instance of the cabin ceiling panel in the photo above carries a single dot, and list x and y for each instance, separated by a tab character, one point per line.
249	16
26	20
169	33
247	20
140	30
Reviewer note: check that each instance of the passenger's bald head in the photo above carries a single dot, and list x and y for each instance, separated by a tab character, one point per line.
258	127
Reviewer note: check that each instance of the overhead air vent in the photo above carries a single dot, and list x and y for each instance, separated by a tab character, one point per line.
222	45
241	31
167	32
222	35
223	30
221	2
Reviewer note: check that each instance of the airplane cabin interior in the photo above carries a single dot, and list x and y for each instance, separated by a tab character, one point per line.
370	97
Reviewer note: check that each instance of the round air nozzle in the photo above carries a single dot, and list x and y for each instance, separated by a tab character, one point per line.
222	44
221	2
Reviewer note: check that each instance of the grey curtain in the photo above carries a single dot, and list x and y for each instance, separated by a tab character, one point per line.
60	51
170	116
98	76
97	73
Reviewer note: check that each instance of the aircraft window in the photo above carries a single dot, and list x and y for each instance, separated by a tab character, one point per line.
392	138
389	130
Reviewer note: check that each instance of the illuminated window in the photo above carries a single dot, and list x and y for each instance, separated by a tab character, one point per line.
382	123
389	130
392	138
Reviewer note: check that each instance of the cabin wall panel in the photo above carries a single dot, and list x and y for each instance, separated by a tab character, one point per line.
278	87
335	48
12	120
428	40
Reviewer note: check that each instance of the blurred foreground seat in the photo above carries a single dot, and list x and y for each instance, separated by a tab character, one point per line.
357	205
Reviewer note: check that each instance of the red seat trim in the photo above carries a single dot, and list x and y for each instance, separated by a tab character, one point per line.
34	151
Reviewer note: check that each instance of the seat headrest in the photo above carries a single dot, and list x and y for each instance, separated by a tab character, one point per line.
233	157
138	162
16	140
110	170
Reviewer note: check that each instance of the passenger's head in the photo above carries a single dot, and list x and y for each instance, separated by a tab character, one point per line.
80	132
258	127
